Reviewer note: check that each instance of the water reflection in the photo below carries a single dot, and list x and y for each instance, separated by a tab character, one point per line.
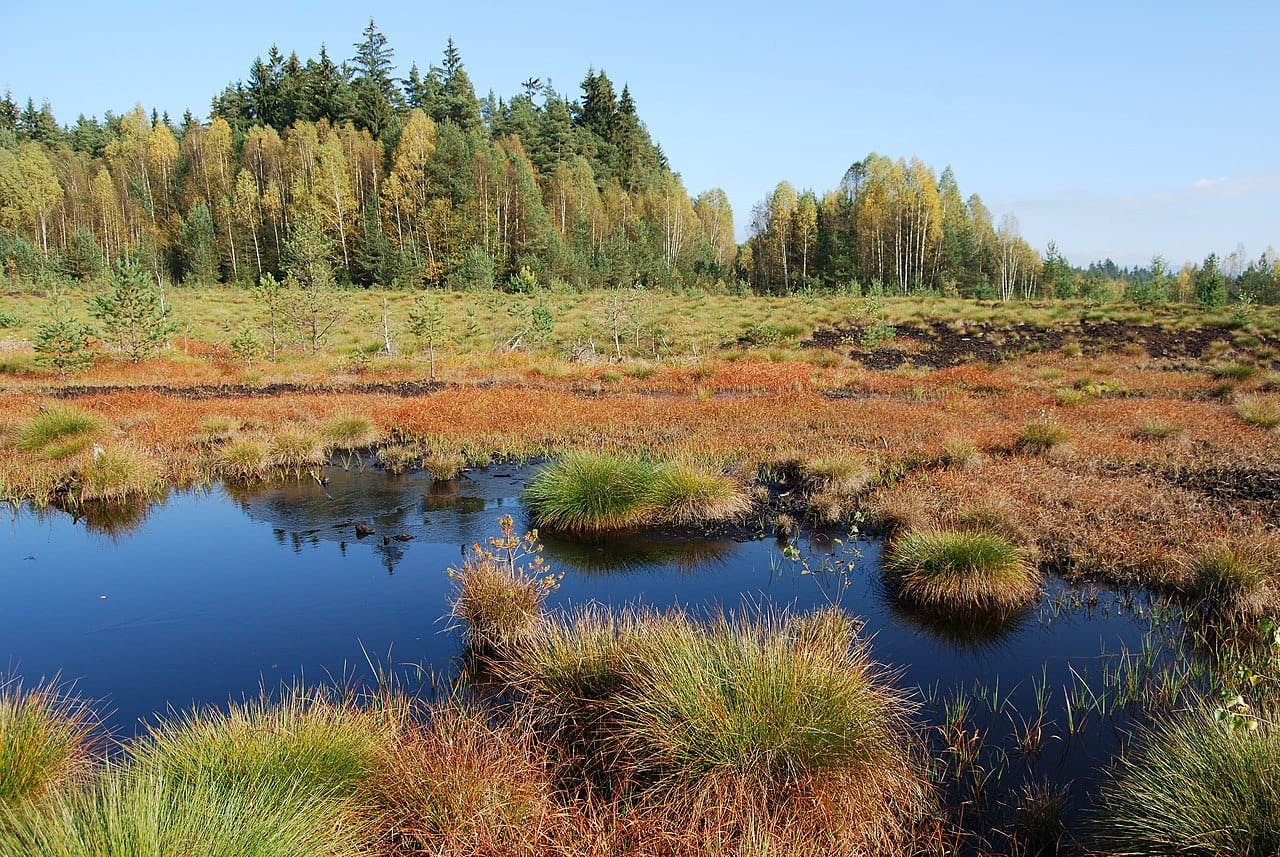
971	630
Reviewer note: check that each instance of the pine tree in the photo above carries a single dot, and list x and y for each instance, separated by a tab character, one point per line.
429	325
62	340
132	312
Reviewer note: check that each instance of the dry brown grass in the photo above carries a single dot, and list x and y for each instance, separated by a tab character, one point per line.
1123	500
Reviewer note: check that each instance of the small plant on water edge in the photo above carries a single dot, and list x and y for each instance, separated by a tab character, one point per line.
500	589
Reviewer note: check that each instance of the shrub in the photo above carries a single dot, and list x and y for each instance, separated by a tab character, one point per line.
961	569
61	340
1041	437
495	596
132	312
59	431
45	743
1190	785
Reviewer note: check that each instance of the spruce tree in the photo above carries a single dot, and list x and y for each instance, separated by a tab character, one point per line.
1211	290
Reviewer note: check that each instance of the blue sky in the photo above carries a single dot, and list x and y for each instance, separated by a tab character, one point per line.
1117	128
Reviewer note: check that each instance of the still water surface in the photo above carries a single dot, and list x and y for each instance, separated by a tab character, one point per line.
210	595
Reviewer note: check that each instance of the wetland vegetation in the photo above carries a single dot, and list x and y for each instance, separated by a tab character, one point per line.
828	542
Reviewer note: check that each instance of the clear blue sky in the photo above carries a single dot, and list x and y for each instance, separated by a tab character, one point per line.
1116	128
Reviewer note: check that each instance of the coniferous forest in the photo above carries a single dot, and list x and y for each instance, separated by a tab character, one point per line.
415	181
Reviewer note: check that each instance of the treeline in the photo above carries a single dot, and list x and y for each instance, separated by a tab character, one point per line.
896	227
418	182
411	182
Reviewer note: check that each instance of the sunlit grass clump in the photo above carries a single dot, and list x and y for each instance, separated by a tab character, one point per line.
734	727
1259	412
1042	437
151	812
583	492
586	491
1191	785
297	449
246	458
684	494
1152	429
966	569
350	431
1236	579
118	473
317	741
834	482
46	743
58	431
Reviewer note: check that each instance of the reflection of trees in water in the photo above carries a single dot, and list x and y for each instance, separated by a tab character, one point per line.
306	506
622	554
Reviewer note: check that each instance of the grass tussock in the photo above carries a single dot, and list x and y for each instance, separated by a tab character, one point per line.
1234	372
1042	437
833	484
583	492
1192	785
117	474
1258	412
1152	429
444	465
735	728
246	458
966	569
318	741
151	812
500	589
217	428
684	494
461	784
46	743
350	431
1235	579
59	431
296	450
